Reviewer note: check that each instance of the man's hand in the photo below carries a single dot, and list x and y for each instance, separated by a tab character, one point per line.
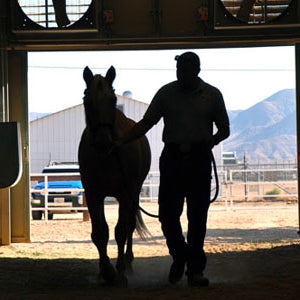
118	143
115	145
209	141
138	130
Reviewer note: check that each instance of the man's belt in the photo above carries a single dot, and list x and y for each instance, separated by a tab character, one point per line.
185	147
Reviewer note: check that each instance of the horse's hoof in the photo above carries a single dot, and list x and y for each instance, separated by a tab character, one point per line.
108	273
129	269
121	281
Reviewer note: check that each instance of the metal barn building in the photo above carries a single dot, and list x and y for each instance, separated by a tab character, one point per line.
56	137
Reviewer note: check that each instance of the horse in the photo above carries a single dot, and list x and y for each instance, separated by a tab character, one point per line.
111	171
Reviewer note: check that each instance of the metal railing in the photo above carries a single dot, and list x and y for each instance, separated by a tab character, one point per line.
236	187
250	186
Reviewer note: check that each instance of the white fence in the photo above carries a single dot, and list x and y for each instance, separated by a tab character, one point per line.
238	189
37	177
261	186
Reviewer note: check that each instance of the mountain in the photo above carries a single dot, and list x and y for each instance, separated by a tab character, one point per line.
233	113
265	131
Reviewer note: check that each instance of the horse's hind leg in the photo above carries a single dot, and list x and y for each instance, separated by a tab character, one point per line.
129	257
100	236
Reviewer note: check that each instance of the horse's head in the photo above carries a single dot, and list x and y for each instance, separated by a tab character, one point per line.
100	108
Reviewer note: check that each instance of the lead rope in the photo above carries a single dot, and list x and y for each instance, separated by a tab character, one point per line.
216	178
124	176
211	201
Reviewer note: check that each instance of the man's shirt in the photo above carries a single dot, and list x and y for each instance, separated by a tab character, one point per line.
188	115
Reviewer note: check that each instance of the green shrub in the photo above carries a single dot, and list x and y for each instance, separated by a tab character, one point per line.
274	191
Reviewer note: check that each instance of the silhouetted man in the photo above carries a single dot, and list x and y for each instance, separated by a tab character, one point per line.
189	108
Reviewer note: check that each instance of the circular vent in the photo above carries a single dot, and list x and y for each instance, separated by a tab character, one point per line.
256	11
54	13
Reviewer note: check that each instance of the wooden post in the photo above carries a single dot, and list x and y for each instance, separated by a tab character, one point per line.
5	202
18	112
86	214
5	217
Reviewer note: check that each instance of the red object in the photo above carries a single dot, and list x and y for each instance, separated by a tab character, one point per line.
203	13
108	16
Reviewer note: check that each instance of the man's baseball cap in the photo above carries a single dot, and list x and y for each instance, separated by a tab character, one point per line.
188	58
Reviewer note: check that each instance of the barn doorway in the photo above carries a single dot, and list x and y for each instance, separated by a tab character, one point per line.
258	85
236	226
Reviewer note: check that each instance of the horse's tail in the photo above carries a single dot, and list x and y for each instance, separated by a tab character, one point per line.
141	227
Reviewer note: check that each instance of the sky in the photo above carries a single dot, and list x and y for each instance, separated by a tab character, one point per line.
245	76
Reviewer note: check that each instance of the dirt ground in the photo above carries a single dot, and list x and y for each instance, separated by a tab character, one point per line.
252	254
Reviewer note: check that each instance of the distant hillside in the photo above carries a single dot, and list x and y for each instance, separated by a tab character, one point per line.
233	113
267	130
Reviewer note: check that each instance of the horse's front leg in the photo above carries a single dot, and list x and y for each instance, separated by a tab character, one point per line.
121	234
100	236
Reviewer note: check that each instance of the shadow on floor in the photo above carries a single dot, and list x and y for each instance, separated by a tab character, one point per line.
261	274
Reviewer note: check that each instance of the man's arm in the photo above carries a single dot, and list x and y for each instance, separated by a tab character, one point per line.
221	121
151	117
222	134
137	131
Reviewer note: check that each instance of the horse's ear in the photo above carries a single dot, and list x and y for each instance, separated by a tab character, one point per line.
87	75
110	75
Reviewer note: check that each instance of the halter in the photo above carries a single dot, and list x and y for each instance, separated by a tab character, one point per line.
99	124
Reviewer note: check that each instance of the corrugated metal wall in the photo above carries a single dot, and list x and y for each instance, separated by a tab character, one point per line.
56	137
